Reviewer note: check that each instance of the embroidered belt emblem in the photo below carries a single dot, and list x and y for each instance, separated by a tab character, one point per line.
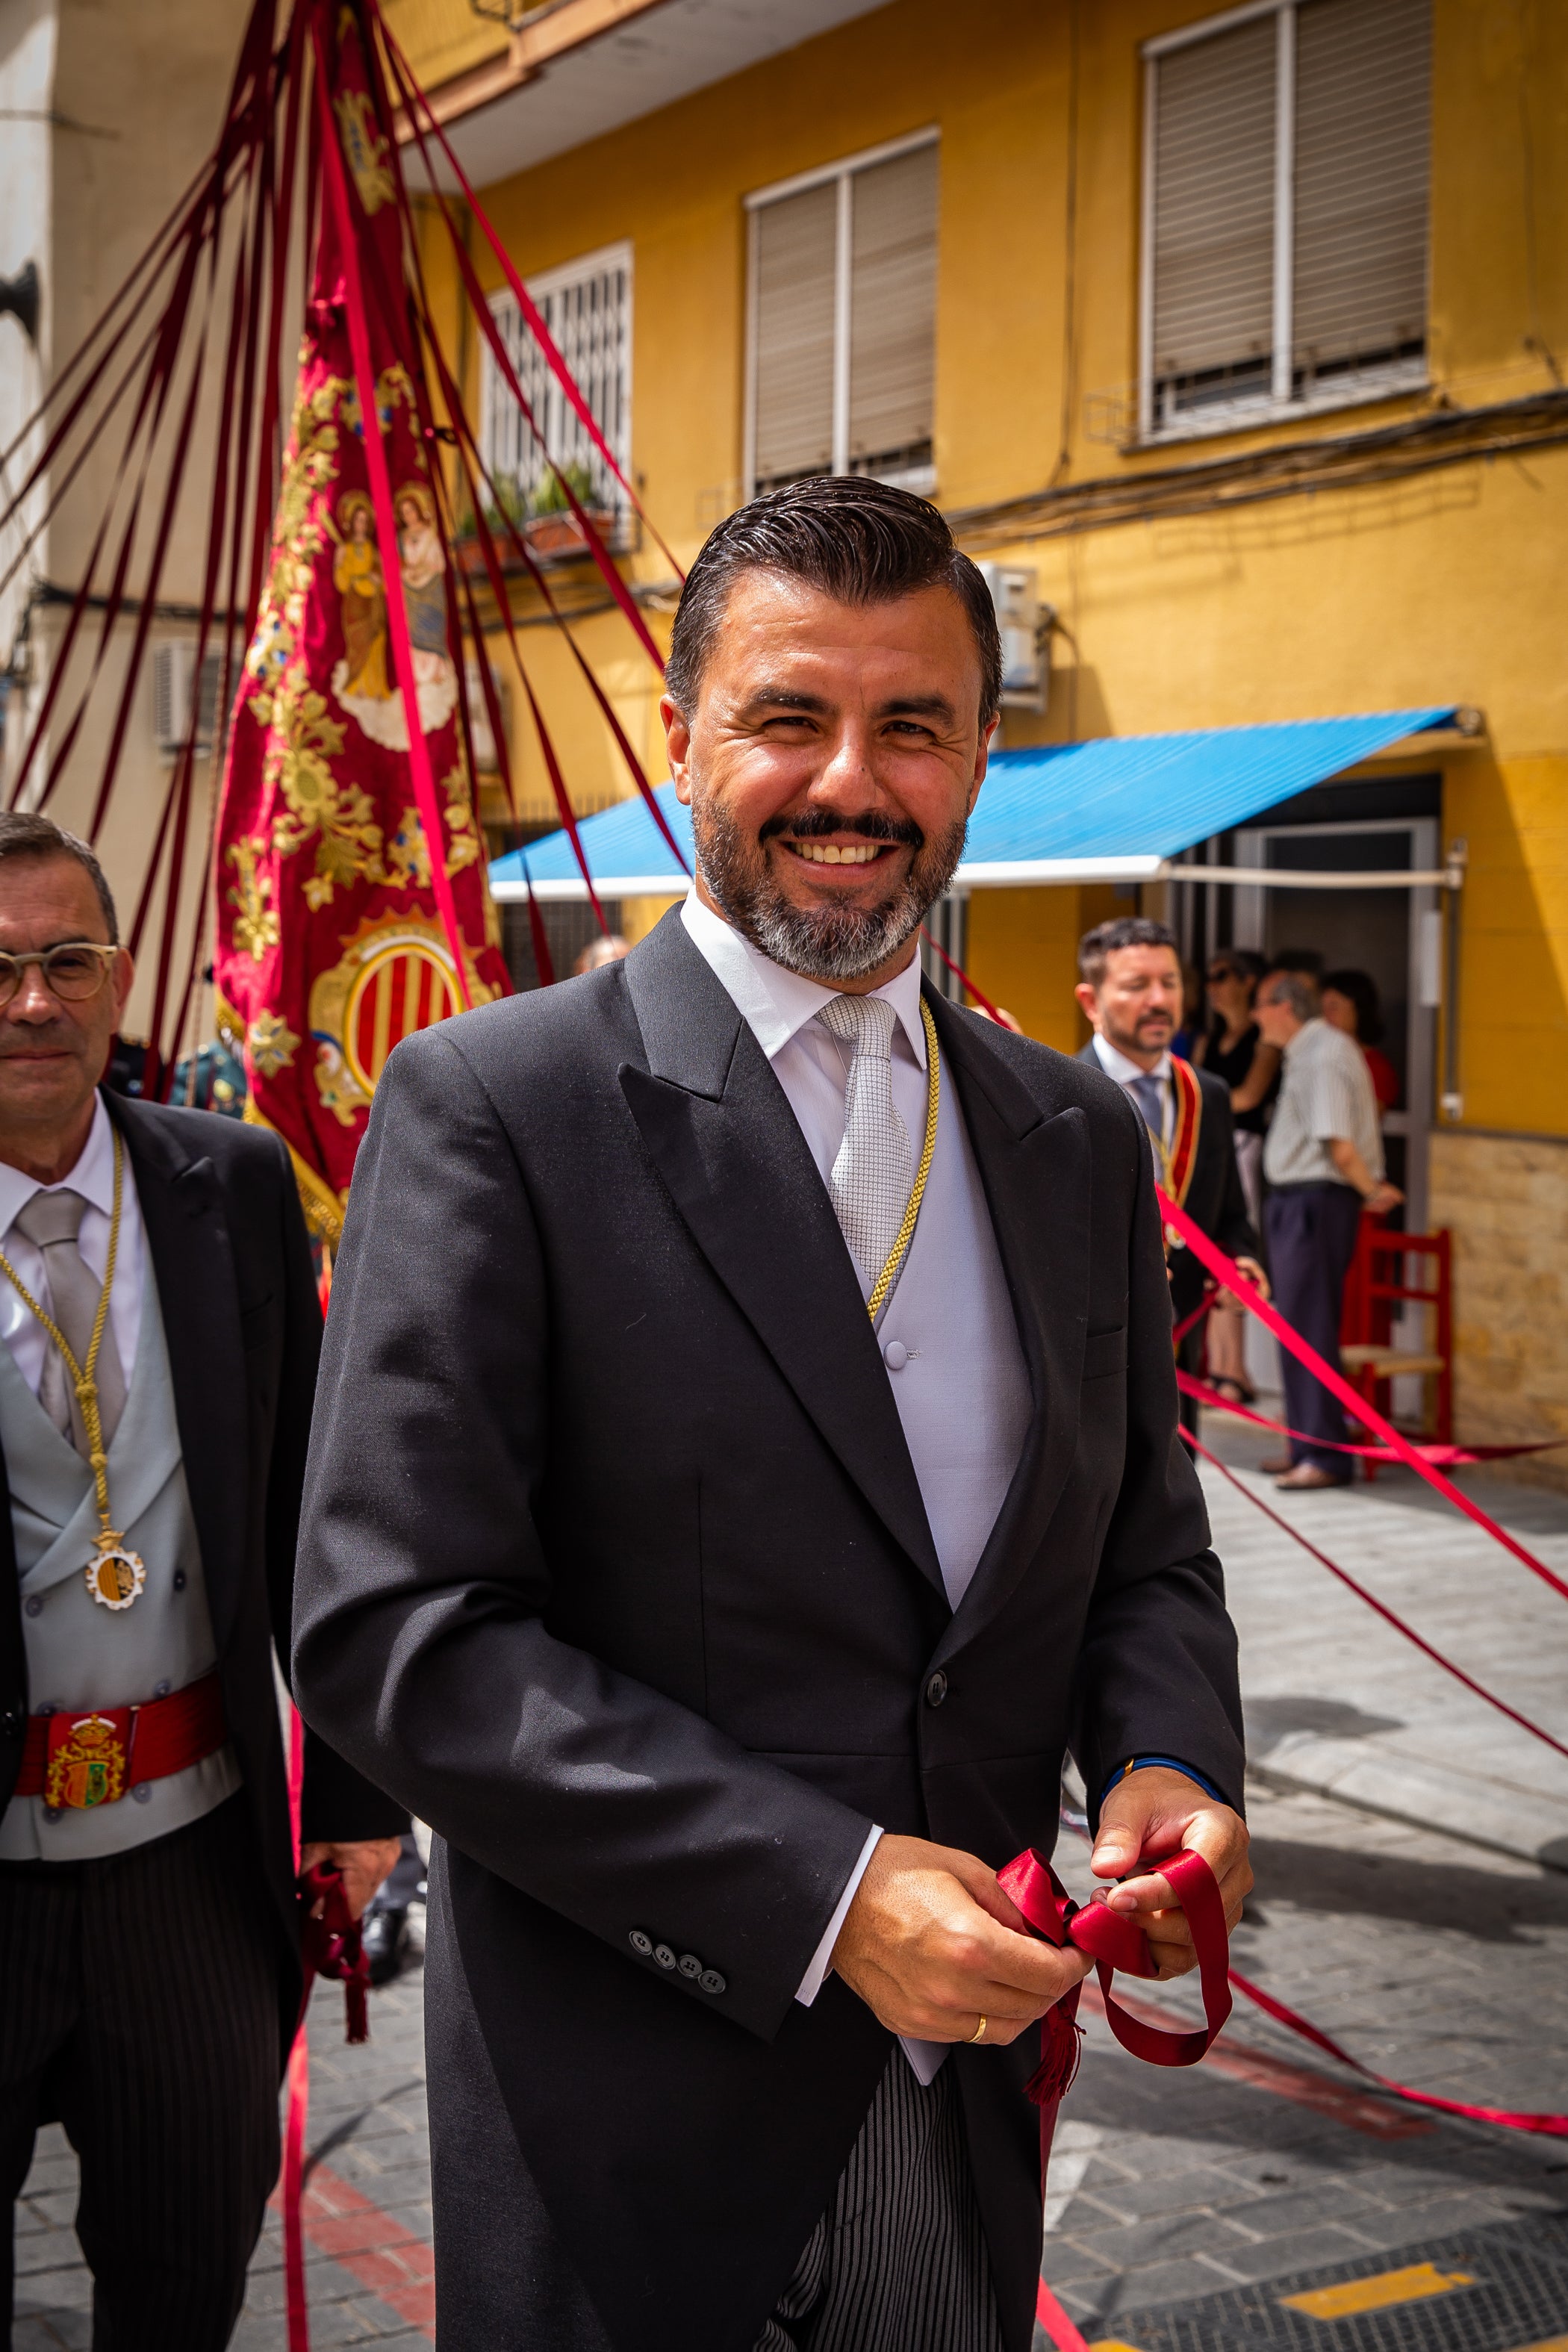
87	1762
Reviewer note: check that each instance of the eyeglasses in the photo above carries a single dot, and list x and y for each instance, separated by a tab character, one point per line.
73	973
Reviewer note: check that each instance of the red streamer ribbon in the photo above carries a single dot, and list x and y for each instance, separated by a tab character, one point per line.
1225	1271
1449	1454
298	2306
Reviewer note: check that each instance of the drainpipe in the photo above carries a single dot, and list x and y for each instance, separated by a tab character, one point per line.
1453	1101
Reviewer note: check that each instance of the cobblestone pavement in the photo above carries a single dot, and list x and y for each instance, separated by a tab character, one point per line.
1183	2206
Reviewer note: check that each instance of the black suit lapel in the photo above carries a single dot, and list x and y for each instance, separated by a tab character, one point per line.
190	1256
1035	1166
720	1130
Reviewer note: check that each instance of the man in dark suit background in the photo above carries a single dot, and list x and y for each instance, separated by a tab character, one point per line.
722	1572
150	1977
1130	987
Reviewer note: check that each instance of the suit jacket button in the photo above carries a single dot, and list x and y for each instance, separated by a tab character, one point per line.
712	1981
690	1965
663	1956
936	1689
641	1943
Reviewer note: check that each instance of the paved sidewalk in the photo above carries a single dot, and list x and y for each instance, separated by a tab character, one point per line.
1339	1702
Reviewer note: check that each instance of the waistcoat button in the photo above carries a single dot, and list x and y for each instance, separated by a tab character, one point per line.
895	1355
33	1604
936	1689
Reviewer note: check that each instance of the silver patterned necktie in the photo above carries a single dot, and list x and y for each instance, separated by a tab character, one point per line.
52	1222
874	1172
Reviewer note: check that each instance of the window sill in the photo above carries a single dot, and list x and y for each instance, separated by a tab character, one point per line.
1256	416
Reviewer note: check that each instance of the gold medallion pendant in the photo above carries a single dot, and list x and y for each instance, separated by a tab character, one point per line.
115	1575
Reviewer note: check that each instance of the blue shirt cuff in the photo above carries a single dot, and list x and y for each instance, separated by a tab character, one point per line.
1136	1764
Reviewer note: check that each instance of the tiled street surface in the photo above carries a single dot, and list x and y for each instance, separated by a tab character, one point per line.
1186	2206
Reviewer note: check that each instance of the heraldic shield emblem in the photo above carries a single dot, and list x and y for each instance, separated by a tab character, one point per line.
396	975
86	1762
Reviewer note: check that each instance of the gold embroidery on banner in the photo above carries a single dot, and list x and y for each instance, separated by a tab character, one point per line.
365	149
271	1044
255	927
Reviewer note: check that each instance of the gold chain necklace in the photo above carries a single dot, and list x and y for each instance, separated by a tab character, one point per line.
884	1281
114	1574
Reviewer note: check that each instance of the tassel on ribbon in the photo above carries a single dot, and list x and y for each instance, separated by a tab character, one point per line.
330	1947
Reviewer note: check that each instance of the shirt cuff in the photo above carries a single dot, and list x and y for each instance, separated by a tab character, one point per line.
811	1984
1136	1764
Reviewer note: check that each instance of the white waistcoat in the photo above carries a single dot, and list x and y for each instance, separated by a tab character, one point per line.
80	1654
962	1388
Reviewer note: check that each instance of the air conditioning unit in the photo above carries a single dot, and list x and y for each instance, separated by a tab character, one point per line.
1024	626
173	679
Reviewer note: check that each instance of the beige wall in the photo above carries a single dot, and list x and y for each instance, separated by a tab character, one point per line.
1505	1199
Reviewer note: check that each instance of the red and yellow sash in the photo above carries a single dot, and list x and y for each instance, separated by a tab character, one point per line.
1178	1161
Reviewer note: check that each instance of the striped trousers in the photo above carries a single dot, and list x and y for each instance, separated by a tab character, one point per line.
140	2006
898	2262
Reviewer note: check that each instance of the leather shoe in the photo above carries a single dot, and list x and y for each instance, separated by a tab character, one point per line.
1306	1477
381	1933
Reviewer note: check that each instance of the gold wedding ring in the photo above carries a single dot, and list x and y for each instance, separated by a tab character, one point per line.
979	2032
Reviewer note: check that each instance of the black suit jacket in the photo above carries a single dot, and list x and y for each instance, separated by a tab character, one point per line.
614	1567
228	1252
1216	1201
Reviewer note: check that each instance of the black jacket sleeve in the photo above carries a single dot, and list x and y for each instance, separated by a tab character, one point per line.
338	1803
423	1647
1157	1671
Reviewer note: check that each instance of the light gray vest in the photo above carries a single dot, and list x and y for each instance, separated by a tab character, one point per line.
82	1655
963	1386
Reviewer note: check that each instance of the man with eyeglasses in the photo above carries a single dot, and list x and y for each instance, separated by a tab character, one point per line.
161	1331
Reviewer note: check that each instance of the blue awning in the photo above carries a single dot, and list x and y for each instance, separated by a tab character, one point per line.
1113	810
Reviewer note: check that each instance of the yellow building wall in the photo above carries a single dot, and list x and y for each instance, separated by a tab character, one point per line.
1446	587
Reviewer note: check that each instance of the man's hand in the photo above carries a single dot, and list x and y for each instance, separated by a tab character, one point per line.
931	1944
1157	1812
363	1861
1254	1274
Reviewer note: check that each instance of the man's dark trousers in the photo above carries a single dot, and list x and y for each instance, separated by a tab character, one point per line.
1312	1230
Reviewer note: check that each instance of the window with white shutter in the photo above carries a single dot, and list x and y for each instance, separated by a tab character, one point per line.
843	321
1285	210
587	308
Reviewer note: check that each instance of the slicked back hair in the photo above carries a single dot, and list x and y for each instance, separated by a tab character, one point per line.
859	540
1122	932
26	834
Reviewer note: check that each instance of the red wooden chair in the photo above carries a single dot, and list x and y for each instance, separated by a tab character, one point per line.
1391	1270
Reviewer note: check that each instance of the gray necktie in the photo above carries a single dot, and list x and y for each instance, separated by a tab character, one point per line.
51	1222
1151	1102
875	1170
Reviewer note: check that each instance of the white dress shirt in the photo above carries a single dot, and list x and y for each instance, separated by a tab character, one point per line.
964	1405
93	1178
1117	1066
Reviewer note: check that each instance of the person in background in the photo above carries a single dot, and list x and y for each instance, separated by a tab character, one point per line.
1349	1002
149	1978
1324	1160
1232	1050
1130	987
1191	1029
608	948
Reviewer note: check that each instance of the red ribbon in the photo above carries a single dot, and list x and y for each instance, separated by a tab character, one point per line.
1113	1941
329	1943
1449	1454
1225	1271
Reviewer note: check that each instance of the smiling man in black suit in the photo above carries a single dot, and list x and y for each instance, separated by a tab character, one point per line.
746	1463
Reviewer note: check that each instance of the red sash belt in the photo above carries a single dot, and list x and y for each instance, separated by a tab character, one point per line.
77	1759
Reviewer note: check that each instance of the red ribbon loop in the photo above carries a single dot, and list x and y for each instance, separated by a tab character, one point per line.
1113	1942
330	1945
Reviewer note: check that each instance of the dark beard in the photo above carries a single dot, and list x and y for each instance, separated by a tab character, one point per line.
825	943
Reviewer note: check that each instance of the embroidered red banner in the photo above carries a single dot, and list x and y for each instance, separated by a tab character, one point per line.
350	888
